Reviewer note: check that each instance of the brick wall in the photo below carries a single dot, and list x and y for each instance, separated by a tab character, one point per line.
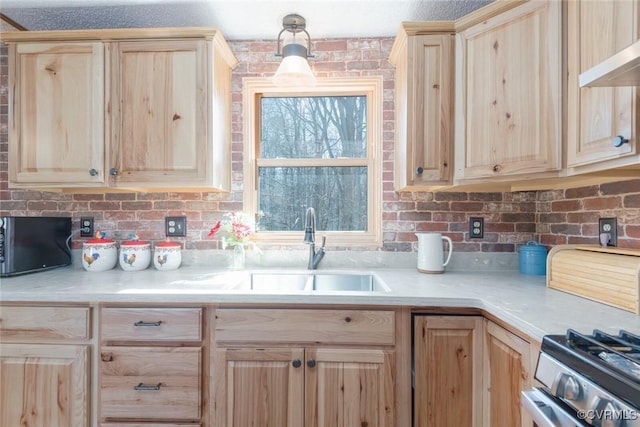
510	218
571	215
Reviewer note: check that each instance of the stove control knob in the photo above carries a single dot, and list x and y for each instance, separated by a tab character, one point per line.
607	414
566	387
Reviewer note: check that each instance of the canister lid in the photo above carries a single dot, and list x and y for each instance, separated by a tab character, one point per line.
99	240
167	244
533	247
134	243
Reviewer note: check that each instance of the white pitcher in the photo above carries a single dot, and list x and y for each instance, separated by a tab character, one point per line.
431	252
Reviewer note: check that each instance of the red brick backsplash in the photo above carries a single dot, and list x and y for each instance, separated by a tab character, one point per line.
511	219
571	215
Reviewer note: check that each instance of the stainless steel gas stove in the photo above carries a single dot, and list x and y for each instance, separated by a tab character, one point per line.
589	380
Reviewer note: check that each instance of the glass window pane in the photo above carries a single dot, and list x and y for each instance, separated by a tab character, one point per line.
338	195
313	127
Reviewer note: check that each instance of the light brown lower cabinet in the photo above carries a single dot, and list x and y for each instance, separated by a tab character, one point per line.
259	367
44	385
508	371
304	368
468	372
447	371
147	425
151	366
295	387
150	383
45	370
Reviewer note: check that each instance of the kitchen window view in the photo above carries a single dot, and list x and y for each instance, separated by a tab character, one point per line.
316	150
327	137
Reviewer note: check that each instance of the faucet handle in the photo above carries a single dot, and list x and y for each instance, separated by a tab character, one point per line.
324	240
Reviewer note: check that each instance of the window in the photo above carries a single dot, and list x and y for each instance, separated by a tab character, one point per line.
318	148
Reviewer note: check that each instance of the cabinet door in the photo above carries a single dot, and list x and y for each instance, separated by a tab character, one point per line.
507	373
509	86
349	387
258	387
595	31
159	126
424	111
447	371
44	385
56	131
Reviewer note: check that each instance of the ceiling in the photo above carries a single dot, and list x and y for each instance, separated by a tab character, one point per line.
237	19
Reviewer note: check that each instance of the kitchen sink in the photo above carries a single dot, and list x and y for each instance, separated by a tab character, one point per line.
309	282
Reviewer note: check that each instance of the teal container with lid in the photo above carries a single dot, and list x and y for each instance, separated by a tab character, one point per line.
533	259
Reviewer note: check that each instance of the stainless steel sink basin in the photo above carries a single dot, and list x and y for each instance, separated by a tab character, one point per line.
307	282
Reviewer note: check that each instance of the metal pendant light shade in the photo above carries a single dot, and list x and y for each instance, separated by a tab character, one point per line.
294	70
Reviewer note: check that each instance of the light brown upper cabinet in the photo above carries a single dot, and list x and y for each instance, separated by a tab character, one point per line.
133	108
56	126
508	95
423	56
597	116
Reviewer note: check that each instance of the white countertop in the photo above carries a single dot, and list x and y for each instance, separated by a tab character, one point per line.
523	301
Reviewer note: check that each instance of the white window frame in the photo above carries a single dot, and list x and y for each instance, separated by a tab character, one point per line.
254	88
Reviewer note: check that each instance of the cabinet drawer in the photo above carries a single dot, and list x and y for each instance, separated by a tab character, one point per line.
151	324
44	322
148	425
360	327
150	383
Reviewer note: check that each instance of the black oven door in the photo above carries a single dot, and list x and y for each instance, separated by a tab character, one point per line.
547	411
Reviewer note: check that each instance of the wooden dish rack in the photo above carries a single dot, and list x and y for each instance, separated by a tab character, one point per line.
607	275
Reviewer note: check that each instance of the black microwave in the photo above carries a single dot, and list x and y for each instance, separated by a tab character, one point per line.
32	244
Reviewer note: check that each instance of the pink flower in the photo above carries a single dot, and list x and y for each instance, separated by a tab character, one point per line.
215	229
238	226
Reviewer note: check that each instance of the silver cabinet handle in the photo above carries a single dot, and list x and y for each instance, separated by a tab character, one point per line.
143	323
93	172
113	171
419	170
142	387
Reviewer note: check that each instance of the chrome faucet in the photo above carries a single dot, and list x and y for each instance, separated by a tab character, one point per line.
310	238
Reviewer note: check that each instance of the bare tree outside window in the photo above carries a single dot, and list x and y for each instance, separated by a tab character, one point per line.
321	128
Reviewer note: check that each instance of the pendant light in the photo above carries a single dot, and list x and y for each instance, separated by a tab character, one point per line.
294	70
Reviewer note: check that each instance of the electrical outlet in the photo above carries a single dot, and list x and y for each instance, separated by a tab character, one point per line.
476	228
86	227
610	226
176	226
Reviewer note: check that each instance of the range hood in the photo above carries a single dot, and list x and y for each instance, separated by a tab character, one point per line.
622	69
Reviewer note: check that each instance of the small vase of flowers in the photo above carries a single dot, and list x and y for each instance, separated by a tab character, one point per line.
239	227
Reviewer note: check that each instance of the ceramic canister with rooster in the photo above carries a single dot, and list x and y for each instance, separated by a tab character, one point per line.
99	254
134	255
167	255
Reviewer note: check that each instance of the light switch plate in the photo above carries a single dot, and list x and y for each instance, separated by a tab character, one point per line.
176	226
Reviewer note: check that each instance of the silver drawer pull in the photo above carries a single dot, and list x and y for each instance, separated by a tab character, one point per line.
142	387
143	323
